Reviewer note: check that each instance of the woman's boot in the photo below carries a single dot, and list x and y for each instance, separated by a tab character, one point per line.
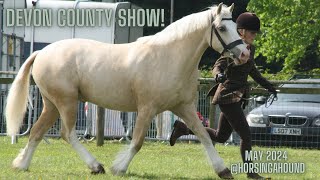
179	129
255	176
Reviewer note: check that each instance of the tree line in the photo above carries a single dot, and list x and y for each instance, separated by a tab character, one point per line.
290	31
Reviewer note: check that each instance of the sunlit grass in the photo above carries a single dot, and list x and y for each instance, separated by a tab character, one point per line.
156	160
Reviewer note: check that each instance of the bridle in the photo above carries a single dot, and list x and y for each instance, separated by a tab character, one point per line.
271	97
224	45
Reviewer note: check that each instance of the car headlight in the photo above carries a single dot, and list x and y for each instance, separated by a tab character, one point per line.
255	118
316	122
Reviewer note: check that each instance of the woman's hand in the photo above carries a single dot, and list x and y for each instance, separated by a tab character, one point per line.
220	78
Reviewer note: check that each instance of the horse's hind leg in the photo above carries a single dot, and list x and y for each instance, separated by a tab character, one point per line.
188	113
159	125
68	111
120	165
47	118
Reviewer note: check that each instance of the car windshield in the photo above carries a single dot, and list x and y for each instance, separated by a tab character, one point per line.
300	97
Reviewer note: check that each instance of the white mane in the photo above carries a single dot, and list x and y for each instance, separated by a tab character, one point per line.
184	26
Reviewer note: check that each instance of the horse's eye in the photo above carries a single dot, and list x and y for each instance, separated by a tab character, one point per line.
222	28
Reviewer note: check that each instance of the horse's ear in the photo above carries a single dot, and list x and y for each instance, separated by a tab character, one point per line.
219	8
231	7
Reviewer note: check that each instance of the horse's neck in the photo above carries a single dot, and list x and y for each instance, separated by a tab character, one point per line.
190	51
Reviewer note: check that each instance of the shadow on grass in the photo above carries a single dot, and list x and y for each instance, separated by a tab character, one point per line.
164	176
143	176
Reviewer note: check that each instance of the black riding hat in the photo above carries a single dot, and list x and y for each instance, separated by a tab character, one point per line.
248	21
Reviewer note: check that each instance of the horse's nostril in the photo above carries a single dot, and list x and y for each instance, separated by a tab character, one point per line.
244	56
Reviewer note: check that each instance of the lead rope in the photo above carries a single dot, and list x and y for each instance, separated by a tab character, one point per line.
242	98
271	97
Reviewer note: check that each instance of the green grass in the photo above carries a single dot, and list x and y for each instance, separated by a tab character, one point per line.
156	160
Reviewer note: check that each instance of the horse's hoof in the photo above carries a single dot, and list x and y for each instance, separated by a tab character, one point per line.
117	172
19	167
100	170
225	174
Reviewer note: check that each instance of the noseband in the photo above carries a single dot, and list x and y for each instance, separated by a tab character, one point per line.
224	45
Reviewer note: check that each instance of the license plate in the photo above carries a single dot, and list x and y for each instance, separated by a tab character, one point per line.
286	131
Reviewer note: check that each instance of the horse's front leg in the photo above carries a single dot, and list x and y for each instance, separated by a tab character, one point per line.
123	159
189	114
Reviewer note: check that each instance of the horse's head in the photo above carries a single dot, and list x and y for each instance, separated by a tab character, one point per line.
224	37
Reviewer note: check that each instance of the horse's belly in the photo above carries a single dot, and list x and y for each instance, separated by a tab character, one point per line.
111	97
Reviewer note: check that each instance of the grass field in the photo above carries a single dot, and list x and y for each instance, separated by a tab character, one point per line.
156	160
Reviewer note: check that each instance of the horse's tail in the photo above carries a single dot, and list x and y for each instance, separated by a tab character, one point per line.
18	97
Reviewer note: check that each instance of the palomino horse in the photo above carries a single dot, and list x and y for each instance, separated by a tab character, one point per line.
151	75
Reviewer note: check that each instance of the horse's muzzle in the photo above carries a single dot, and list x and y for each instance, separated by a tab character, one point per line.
242	58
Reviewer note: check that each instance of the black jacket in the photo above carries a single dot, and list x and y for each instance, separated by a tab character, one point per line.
236	85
